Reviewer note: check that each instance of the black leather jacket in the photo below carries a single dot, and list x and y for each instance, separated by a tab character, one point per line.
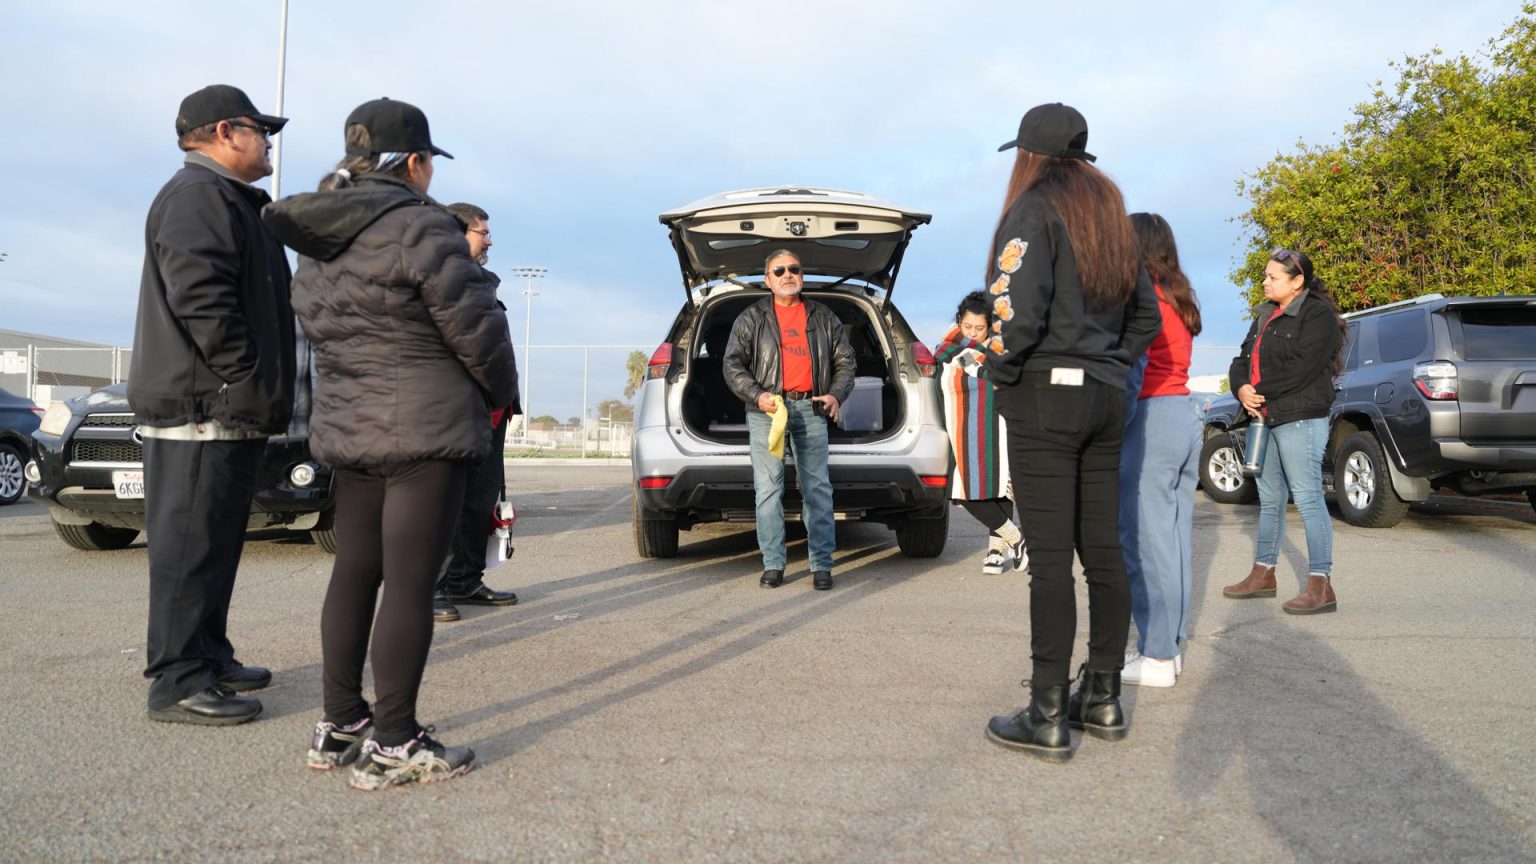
753	357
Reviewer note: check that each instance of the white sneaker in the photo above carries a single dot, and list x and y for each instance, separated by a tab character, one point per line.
993	564
1178	663
1148	672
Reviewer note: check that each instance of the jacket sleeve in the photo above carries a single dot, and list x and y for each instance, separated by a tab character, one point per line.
1316	348
199	256
1023	282
736	365
462	302
1237	373
843	362
1143	318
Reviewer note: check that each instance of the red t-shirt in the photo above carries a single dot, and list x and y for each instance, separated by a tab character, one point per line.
794	347
1168	356
1258	339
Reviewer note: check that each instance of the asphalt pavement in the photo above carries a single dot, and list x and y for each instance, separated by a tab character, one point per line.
669	711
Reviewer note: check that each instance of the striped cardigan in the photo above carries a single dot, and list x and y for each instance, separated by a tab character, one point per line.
976	432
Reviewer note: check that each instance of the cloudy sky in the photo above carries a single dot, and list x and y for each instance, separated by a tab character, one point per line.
574	124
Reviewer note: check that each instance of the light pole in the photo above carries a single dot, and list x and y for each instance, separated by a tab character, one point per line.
282	64
529	274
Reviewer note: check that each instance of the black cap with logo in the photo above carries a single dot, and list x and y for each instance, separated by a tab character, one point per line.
221	102
1053	129
394	127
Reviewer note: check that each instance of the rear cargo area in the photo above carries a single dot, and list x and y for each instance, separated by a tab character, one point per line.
711	411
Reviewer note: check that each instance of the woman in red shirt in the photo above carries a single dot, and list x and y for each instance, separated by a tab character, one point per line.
1157	469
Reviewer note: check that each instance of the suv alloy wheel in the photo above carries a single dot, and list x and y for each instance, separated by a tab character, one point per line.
1362	485
1221	472
12	481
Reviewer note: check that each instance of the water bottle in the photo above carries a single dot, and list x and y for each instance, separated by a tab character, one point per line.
1253	447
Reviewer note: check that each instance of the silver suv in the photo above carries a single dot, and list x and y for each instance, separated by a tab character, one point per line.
889	456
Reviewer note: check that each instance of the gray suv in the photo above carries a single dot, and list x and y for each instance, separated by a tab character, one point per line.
889	455
1436	393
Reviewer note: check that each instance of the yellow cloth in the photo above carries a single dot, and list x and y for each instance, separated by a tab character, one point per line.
776	433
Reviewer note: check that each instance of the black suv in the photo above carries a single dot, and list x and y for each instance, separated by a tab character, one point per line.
88	469
1436	393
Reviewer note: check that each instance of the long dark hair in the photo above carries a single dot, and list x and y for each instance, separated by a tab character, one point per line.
1298	264
1094	212
352	167
1160	255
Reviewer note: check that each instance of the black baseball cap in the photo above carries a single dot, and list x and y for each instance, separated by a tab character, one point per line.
1053	129
394	127
221	102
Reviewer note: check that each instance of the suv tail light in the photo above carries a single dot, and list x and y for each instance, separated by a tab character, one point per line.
1436	379
661	361
655	482
926	365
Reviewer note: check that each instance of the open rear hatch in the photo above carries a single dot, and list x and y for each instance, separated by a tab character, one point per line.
837	235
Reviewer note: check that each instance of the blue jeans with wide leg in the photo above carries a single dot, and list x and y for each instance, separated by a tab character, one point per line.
1158	473
1293	462
805	438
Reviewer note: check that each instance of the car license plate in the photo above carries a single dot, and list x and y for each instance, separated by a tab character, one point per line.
129	484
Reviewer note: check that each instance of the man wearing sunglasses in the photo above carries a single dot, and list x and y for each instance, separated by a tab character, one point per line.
785	348
214	372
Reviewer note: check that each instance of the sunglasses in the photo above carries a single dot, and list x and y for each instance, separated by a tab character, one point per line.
793	268
1286	255
264	131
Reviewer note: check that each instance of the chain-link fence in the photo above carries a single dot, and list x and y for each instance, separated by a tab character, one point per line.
45	373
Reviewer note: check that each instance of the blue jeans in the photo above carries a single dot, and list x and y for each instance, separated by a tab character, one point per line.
1294	461
806	439
1158	472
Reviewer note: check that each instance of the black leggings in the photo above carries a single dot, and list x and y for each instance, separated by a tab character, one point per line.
393	525
1064	455
991	512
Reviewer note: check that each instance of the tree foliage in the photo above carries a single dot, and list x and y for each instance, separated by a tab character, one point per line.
1432	187
634	371
615	410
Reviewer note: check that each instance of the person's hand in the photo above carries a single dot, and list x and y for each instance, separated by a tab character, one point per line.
765	402
1250	399
832	409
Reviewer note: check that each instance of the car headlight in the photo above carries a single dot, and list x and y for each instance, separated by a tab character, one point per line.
302	474
55	419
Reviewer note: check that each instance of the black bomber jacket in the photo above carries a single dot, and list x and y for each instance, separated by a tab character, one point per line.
753	356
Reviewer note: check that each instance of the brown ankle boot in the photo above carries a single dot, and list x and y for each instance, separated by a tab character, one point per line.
1316	597
1260	583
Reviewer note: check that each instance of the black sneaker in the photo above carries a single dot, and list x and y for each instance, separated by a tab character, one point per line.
419	760
334	745
1019	554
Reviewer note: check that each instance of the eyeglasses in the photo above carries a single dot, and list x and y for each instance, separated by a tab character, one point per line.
483	232
264	131
793	268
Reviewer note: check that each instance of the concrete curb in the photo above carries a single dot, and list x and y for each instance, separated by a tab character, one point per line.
535	460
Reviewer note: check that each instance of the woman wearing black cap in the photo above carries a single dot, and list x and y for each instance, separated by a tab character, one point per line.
410	349
1072	307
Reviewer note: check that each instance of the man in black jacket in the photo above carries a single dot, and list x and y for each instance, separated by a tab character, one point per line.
786	348
212	376
463	576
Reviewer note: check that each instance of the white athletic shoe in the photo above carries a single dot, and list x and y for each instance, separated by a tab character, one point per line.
993	564
1148	672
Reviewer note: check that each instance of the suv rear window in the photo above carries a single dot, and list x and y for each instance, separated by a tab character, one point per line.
1499	332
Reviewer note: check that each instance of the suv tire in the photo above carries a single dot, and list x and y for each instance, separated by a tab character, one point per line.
95	537
324	532
12	481
1221	472
1362	485
924	536
655	536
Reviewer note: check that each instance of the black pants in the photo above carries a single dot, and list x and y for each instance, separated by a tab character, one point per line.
991	512
1064	454
197	500
392	529
487	479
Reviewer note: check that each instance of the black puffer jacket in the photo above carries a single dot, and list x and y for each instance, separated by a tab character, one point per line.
1296	358
214	337
410	349
753	356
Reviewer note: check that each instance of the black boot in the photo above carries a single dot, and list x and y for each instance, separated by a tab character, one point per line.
1095	707
1039	730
